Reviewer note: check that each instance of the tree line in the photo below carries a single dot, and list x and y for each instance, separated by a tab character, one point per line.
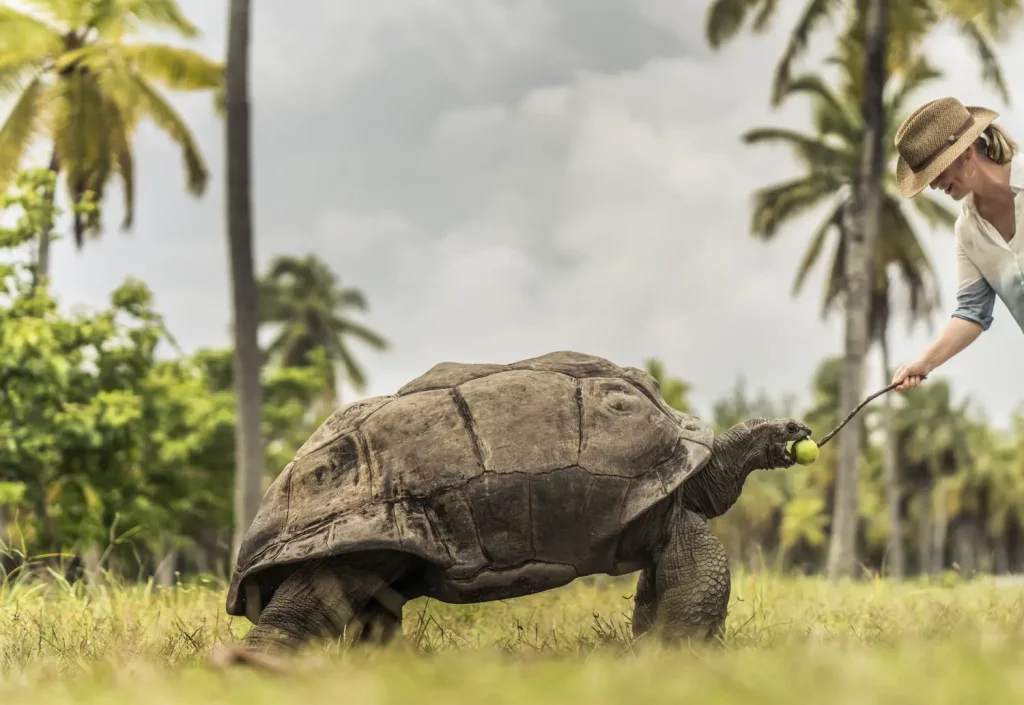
958	501
123	457
117	456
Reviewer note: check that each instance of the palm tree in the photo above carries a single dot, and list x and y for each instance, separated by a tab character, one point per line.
885	50
81	86
305	299
933	438
980	22
864	216
249	455
831	158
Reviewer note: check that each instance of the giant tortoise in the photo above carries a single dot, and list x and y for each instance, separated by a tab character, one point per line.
485	481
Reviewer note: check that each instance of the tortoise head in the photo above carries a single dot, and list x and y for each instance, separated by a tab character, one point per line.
770	437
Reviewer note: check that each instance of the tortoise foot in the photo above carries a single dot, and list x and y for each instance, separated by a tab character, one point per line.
234	655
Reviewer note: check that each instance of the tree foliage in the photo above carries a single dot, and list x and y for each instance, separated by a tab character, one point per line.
80	83
100	433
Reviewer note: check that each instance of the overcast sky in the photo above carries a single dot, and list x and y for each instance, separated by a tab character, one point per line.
504	178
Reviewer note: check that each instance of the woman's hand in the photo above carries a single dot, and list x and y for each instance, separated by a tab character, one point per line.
910	376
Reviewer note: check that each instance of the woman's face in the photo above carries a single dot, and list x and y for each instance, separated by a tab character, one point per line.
958	179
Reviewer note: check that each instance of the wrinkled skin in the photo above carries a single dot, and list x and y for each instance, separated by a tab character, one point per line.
682	593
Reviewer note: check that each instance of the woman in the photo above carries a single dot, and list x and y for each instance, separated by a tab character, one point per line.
962	153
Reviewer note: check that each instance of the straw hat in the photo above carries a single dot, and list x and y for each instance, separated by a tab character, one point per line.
932	138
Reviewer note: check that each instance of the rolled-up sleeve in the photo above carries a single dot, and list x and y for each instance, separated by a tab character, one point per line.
975	297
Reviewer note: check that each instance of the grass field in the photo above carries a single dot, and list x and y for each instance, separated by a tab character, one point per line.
789	640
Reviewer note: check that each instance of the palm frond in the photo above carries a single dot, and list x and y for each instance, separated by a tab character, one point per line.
815	12
117	18
936	214
996	18
776	205
812	150
764	17
833	222
70	13
354	373
287	265
26	40
724	19
168	120
15	71
20	130
900	247
916	75
121	151
352	298
348	327
991	72
177	69
833	116
82	141
835	283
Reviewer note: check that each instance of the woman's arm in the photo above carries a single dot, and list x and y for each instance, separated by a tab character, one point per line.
975	300
957	335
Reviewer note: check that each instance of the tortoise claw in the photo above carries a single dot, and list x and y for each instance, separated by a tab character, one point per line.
232	655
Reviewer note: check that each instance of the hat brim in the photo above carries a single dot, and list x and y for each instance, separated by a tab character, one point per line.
911	184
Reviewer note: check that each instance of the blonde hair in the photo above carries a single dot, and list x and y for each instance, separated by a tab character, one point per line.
996	144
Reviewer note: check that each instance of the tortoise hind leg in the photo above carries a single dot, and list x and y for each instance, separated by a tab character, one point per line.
330	599
380	623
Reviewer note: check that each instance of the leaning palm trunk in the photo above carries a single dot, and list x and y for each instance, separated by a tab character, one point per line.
42	273
896	560
249	458
865	216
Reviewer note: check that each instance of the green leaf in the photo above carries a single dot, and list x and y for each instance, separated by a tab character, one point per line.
23	125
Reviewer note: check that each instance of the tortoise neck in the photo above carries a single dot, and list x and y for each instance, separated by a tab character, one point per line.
717	486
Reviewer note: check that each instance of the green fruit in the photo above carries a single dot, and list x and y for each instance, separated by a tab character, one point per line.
806	451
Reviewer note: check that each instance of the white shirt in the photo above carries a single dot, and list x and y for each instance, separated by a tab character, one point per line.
987	265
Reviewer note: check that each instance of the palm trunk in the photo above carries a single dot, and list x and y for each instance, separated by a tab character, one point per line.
91	564
4	541
1000	555
897	560
967	546
42	272
862	236
165	569
249	458
924	531
940	529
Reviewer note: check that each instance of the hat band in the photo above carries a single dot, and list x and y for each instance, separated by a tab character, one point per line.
944	146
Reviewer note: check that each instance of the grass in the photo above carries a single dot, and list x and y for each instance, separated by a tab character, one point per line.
789	640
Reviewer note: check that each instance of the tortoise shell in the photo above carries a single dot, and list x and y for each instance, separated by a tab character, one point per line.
503	479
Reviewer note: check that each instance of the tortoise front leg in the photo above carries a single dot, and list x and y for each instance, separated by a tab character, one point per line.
692	581
644	603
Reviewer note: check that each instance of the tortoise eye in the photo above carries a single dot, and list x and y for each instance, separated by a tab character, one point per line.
792	428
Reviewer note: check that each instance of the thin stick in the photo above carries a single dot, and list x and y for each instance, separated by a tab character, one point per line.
853	413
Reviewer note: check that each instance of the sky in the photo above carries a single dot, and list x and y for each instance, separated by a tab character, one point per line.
510	177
